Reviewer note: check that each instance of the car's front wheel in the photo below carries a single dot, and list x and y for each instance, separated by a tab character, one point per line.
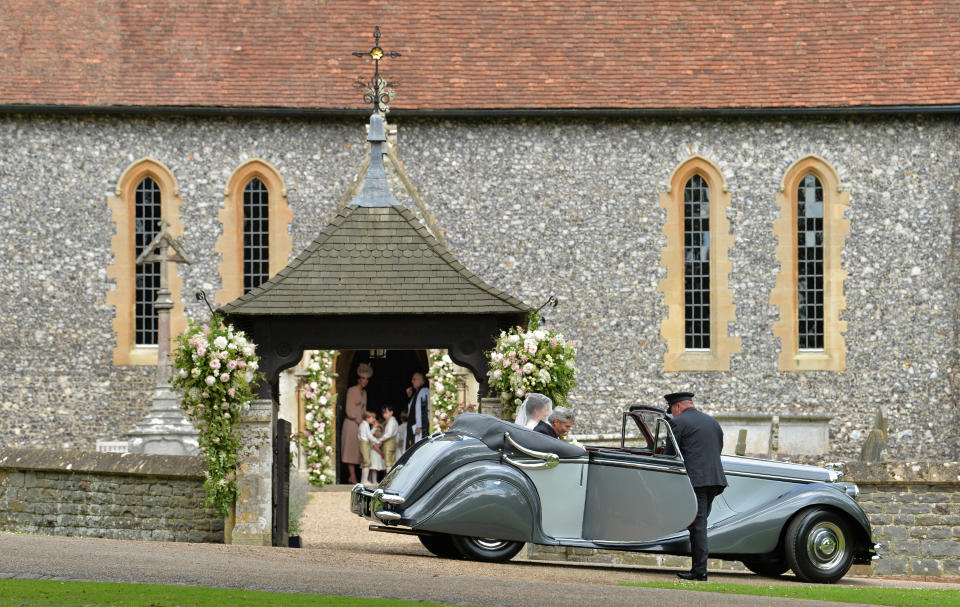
441	545
767	567
487	550
818	546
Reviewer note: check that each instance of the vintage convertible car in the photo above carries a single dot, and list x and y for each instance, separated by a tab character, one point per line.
486	486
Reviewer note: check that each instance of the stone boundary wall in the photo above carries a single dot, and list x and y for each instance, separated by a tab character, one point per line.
913	507
110	495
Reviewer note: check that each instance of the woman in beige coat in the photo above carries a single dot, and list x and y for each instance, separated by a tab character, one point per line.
356	404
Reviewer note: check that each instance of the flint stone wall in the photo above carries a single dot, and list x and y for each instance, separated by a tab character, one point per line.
110	495
535	207
913	507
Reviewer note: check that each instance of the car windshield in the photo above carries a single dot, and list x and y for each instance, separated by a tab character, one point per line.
637	434
642	427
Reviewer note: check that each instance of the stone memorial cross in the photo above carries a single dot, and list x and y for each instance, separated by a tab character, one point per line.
165	431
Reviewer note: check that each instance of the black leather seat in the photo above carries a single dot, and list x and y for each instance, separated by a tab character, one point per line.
490	430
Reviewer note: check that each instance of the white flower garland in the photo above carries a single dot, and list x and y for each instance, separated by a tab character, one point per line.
443	390
535	360
216	372
320	400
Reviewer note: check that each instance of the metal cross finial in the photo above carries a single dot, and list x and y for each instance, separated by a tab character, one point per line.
377	93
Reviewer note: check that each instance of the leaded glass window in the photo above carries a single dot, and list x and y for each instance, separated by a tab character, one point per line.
696	266
810	263
147	278
256	234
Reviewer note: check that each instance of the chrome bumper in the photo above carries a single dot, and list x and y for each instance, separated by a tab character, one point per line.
371	504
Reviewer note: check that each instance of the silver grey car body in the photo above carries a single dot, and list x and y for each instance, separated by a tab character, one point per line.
486	486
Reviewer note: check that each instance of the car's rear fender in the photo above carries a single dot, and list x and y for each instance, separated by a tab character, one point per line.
760	531
431	460
480	499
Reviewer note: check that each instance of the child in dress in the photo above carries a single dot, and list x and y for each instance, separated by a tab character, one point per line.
388	440
370	450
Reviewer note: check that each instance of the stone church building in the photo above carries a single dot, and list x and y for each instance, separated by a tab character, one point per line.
756	201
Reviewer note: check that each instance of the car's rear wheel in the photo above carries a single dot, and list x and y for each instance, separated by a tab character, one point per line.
487	550
818	546
767	567
440	544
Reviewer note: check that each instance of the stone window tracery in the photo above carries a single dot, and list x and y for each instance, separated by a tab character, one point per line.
255	243
147	205
699	303
145	193
256	234
811	233
696	263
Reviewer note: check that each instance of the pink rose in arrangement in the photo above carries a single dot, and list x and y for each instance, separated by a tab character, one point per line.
214	364
225	377
231	392
225	406
210	380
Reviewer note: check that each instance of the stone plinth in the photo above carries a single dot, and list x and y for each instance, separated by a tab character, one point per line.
165	430
254	515
491	406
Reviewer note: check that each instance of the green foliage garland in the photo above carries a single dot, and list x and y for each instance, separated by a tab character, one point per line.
216	373
318	437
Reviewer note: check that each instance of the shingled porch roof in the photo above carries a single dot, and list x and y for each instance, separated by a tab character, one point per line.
375	260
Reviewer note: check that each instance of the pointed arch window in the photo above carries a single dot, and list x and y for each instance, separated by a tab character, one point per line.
696	263
147	209
145	193
699	303
810	263
255	243
811	233
256	234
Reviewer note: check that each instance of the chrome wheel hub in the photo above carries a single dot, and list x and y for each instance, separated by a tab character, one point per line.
488	544
826	546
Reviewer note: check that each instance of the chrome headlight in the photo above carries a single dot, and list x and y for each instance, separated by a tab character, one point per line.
850	489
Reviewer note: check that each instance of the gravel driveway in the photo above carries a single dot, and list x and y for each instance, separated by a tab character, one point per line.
340	556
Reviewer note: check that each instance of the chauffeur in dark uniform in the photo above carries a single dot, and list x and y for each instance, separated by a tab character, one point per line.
700	440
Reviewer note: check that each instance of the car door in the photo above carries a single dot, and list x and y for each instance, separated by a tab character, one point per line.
639	492
562	491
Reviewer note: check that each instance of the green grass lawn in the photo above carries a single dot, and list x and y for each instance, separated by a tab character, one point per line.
900	597
49	593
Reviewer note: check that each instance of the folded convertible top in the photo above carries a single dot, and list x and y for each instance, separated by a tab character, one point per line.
490	429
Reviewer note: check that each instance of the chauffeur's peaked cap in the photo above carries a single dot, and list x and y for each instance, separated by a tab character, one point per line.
677	397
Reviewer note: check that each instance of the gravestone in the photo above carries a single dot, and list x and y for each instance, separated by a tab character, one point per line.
876	439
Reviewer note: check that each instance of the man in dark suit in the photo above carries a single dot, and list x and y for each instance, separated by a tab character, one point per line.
700	440
557	425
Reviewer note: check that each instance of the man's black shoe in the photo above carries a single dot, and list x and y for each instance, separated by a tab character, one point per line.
689	575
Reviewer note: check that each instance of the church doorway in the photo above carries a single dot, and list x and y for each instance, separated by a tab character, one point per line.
392	370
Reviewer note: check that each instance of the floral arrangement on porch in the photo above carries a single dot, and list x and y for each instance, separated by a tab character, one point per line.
532	360
216	373
444	391
319	400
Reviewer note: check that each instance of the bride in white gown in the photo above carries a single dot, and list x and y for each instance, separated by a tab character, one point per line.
535	408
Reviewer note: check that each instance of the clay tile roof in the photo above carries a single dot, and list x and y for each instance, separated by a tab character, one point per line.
375	260
491	55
